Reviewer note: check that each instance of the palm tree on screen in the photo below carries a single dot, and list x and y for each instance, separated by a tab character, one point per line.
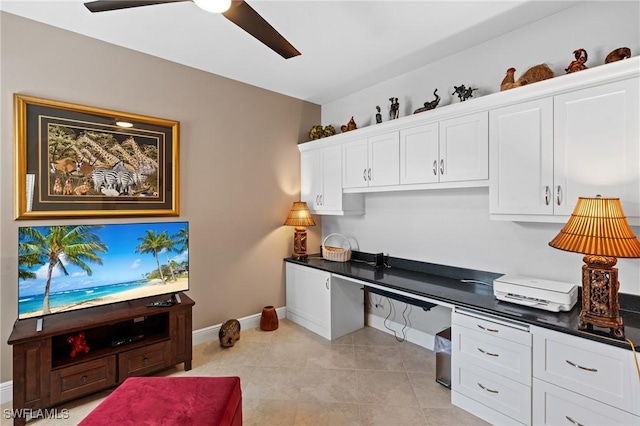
182	238
63	245
169	245
152	243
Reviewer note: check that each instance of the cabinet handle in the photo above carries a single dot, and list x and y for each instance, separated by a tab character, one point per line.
488	389
573	421
85	379
546	195
364	175
435	167
317	202
593	370
320	199
441	167
369	174
326	284
487	329
488	353
558	195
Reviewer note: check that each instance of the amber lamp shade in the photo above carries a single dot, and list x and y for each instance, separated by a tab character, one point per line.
300	217
598	229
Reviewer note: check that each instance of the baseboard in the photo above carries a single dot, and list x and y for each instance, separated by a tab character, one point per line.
210	333
417	337
6	391
202	335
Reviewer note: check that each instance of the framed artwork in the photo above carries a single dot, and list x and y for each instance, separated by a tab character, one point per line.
79	161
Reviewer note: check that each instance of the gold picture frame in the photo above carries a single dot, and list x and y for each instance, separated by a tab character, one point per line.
75	161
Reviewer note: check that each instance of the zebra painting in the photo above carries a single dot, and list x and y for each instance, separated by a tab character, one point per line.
115	181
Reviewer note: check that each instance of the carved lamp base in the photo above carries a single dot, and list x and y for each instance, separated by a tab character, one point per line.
300	243
600	305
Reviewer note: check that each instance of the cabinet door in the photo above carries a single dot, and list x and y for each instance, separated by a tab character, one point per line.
419	154
355	164
331	172
308	298
384	160
310	175
464	148
596	146
521	147
553	405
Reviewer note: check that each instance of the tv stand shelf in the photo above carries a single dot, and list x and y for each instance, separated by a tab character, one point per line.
45	374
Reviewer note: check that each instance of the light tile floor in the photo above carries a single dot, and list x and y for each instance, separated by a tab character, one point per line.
292	376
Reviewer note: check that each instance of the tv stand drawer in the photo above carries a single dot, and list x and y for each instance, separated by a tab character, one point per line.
144	360
72	382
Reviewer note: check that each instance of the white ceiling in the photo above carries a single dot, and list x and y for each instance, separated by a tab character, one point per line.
345	45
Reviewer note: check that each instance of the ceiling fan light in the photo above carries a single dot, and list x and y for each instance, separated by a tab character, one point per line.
213	6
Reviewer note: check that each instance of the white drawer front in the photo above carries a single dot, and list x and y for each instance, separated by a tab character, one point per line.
557	406
506	396
503	357
492	328
596	370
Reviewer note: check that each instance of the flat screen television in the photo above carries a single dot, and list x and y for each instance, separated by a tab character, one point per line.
69	267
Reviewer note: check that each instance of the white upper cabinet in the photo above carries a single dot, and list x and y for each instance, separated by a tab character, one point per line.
419	154
321	183
454	150
371	162
521	147
596	146
548	152
464	148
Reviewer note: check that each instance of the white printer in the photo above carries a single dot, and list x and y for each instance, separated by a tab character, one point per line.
537	293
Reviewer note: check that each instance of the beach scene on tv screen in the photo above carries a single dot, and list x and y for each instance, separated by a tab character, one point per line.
63	268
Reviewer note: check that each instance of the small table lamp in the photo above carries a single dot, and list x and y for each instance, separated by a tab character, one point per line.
299	217
598	229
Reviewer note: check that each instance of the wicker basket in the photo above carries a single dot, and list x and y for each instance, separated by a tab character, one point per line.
336	254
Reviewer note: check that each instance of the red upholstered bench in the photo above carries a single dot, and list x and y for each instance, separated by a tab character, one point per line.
153	401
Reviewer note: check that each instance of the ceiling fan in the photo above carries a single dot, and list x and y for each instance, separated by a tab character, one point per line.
237	11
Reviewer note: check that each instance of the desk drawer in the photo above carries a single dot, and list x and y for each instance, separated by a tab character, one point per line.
145	360
557	406
603	372
511	398
500	356
79	380
490	327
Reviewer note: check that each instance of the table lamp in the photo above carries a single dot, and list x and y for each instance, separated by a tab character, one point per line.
299	217
598	229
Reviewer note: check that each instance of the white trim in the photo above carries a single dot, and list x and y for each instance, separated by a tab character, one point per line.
210	333
417	337
202	335
6	391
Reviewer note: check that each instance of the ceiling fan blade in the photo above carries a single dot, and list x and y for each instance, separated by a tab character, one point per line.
106	5
244	16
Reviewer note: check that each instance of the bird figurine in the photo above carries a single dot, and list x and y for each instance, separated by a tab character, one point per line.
578	64
536	73
351	125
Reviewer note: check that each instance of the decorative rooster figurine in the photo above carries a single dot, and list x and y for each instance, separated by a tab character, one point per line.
578	63
536	73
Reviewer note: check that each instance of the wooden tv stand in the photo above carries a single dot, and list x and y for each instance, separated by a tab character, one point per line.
45	375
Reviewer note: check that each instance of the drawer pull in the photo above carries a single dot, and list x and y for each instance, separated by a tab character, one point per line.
493	330
573	421
145	361
85	379
488	353
594	370
487	389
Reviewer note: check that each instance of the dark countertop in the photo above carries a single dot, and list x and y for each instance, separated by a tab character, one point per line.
443	283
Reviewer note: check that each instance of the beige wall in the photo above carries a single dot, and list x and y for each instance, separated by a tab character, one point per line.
239	164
